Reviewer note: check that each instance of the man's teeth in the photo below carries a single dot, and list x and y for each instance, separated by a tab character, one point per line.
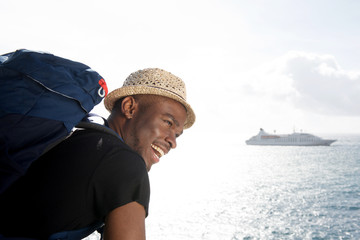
159	150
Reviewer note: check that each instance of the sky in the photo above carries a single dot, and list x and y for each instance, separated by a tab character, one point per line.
281	65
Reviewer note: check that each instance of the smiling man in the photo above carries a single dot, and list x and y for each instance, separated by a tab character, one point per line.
149	112
95	177
149	124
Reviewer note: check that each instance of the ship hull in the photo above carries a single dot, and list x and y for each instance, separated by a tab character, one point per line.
295	139
269	143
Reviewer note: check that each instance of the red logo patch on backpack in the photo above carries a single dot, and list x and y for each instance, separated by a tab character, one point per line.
103	91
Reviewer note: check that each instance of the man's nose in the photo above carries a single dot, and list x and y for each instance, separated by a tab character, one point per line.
171	139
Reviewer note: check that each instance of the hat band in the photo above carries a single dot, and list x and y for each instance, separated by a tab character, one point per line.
168	91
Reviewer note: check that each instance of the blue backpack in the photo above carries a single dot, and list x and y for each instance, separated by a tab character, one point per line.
42	97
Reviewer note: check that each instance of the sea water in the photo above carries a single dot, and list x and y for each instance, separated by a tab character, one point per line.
234	191
261	192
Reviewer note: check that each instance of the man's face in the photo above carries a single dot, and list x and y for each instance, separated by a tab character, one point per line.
154	129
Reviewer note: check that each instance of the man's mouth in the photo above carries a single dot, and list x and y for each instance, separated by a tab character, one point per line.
159	152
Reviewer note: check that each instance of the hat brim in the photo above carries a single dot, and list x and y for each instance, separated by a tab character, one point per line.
119	93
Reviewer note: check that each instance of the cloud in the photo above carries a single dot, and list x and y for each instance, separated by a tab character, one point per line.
310	82
322	85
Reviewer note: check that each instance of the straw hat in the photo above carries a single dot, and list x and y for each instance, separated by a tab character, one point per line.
153	81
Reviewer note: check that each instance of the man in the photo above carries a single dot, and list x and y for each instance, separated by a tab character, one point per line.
97	177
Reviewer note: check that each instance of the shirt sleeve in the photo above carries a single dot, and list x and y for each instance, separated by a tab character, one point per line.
120	178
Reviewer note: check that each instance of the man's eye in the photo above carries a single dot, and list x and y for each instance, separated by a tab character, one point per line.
168	122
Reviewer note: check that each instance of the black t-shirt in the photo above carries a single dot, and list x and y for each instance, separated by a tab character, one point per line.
74	185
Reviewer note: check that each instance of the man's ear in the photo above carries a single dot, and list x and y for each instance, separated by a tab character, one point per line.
128	106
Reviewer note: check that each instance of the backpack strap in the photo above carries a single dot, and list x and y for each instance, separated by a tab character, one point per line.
91	121
98	127
68	235
78	234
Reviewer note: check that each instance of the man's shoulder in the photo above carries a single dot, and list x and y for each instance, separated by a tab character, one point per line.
95	139
89	145
94	134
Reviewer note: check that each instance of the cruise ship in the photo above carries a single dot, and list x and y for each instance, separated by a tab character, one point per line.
294	139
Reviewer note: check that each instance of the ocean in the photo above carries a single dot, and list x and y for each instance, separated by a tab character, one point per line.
234	191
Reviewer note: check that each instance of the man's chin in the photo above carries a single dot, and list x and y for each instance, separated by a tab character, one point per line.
148	167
